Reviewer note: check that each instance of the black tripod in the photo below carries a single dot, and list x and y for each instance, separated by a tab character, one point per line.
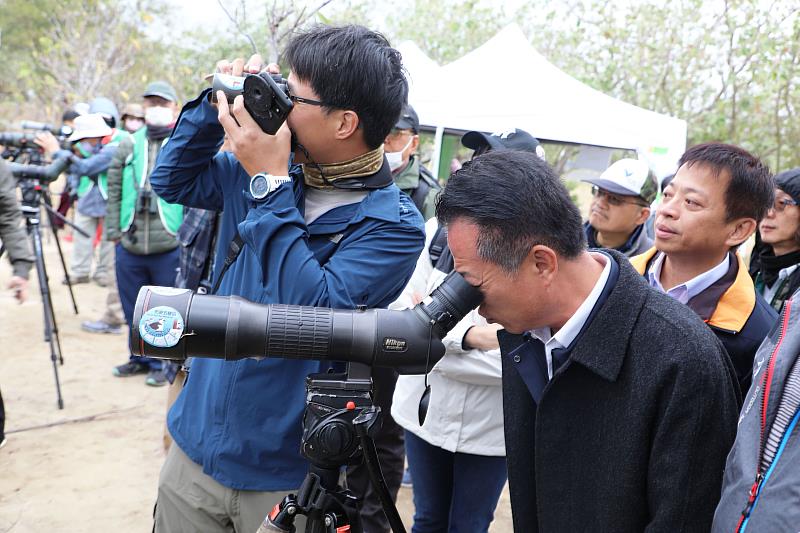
337	430
32	195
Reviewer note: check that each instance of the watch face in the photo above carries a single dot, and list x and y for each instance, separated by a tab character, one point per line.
259	186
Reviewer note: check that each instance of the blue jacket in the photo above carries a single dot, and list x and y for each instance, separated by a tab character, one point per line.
242	420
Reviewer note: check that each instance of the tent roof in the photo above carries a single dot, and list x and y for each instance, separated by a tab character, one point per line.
506	83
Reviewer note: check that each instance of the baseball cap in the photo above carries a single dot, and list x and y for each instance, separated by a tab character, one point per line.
133	110
87	126
513	139
408	119
162	89
628	177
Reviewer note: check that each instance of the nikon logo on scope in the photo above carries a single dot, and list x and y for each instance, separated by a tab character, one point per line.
394	345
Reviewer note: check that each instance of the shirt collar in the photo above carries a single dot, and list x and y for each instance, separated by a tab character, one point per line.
564	336
689	289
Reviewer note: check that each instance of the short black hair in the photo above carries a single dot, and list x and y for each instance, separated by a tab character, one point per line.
517	201
352	67
751	188
69	114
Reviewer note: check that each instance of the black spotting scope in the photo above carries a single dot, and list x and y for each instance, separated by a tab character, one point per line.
44	173
176	323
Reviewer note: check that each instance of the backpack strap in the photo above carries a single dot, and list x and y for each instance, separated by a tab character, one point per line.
234	249
438	244
426	183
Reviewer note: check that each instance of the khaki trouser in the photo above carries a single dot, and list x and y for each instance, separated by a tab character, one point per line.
190	501
83	249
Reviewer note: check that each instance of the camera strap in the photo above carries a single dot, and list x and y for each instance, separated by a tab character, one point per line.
234	249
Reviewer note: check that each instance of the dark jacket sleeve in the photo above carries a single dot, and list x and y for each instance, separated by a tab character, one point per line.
695	430
113	206
11	233
91	166
190	170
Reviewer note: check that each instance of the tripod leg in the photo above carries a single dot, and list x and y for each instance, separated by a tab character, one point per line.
63	265
50	328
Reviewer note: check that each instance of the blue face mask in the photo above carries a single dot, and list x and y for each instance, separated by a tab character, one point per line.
89	148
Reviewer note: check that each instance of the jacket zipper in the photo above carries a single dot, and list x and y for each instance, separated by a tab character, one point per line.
766	384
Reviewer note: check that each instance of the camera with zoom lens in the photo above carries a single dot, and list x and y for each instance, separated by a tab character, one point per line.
62	132
18	140
266	97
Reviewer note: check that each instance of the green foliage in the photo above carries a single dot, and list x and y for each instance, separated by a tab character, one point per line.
444	29
729	67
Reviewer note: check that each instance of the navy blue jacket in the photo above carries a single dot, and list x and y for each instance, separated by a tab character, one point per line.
631	433
242	420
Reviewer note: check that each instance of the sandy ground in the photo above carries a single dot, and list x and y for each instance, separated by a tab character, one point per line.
93	466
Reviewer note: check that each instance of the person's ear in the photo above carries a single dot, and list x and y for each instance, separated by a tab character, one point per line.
414	144
542	261
740	231
347	123
644	214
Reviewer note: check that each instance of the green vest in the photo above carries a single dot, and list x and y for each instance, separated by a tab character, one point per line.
85	184
134	175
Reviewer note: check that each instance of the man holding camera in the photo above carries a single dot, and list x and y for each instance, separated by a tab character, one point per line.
141	223
620	405
94	143
320	225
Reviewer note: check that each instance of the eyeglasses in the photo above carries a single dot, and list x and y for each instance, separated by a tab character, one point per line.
613	199
308	101
780	205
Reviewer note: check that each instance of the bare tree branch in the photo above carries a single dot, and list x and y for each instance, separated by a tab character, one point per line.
239	26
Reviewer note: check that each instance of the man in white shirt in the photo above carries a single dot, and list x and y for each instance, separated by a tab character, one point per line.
712	205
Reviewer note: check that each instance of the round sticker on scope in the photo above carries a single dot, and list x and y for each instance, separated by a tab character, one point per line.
161	327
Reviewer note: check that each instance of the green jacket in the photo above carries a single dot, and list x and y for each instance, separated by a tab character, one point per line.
408	180
86	183
12	234
140	232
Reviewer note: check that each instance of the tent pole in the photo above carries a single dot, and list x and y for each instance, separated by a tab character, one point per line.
437	150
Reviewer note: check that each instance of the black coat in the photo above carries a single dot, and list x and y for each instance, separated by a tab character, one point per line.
632	432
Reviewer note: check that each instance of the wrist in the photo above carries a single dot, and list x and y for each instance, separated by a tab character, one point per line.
263	184
465	344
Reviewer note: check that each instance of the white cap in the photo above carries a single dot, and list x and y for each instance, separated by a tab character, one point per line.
89	126
81	108
627	177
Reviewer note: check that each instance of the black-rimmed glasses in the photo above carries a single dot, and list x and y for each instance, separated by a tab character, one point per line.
308	101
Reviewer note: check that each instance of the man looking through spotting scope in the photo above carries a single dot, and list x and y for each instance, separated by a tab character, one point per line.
619	404
330	229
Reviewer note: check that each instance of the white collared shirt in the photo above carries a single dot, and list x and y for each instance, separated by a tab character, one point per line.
564	336
689	289
769	292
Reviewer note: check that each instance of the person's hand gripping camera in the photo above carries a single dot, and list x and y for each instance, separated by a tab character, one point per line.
255	150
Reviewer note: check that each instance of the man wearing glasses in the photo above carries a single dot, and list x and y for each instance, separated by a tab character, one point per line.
621	198
318	222
712	205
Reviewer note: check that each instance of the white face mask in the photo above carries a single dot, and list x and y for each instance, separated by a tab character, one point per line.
395	159
158	116
133	124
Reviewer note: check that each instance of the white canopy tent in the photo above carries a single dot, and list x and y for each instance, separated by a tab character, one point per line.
506	83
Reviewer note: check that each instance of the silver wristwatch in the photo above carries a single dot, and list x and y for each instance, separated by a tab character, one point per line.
262	184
